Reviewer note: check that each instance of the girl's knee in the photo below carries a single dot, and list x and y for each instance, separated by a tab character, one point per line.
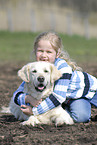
82	117
80	110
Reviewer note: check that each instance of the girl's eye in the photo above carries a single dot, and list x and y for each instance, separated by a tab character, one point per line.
49	52
40	51
34	71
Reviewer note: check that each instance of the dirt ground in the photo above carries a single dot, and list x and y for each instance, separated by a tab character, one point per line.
12	133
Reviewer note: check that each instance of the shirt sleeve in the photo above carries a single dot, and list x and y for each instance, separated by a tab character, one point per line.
59	93
19	95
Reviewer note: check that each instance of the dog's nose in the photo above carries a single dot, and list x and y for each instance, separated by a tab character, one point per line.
40	79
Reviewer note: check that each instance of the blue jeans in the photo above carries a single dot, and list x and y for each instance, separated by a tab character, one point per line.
80	110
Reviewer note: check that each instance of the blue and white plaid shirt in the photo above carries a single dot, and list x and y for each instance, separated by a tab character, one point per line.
72	84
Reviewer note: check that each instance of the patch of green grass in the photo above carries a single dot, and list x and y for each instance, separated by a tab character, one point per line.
17	46
80	48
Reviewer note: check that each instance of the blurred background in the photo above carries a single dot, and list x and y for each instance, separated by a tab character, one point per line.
66	16
22	20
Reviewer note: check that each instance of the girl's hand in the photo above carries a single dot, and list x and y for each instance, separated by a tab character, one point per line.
27	110
33	102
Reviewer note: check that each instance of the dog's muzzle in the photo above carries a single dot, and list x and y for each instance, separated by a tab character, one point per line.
40	86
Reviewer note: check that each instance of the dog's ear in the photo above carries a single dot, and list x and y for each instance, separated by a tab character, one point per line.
55	74
23	73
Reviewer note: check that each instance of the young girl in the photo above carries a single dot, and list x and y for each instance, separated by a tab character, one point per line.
75	90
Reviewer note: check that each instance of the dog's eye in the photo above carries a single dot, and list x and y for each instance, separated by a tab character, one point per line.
34	71
46	71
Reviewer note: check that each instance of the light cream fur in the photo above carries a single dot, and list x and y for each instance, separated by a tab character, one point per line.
30	74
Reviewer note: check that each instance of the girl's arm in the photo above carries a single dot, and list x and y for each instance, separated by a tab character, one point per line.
56	98
19	95
59	94
21	98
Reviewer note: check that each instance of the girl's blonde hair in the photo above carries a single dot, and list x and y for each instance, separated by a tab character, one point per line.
56	43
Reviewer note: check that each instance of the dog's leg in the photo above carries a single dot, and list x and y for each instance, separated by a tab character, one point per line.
5	110
61	116
16	111
32	120
58	115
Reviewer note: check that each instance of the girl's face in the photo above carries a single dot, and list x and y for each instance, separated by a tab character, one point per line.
45	52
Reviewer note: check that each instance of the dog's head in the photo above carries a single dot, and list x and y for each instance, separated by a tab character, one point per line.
40	74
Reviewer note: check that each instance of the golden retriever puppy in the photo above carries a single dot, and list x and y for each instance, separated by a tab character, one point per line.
39	79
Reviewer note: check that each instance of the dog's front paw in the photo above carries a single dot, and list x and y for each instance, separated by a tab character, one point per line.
27	123
31	121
